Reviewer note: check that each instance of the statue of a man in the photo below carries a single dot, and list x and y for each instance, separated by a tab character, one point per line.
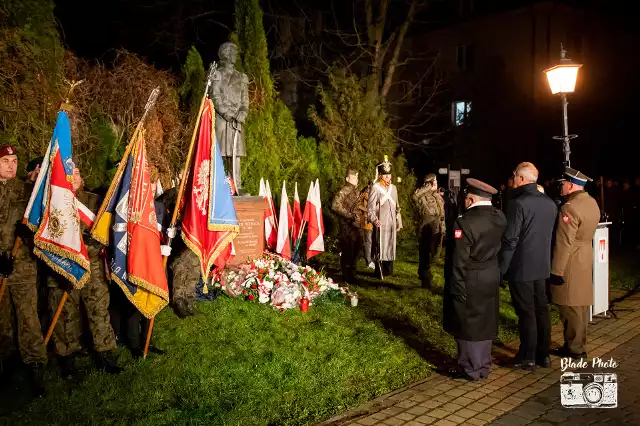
230	95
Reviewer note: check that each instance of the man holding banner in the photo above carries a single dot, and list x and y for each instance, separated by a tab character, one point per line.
18	271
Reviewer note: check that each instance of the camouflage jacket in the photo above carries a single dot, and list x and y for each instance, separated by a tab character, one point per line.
13	202
363	202
430	207
345	205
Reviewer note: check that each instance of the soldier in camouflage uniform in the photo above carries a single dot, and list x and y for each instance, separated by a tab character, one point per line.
21	273
431	227
345	206
367	227
95	298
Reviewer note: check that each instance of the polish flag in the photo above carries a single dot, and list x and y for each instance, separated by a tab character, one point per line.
270	228
284	226
313	216
297	215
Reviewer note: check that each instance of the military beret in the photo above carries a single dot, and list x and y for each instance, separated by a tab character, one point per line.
34	163
479	188
7	150
575	176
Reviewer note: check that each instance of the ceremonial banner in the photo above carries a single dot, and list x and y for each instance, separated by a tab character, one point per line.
209	223
53	213
128	212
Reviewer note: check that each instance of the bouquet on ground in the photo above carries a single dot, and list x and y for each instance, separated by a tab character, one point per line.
274	280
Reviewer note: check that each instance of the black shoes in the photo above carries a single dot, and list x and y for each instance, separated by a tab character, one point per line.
106	362
564	352
523	365
36	381
67	366
544	362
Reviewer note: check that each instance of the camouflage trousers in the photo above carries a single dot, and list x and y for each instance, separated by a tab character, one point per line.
95	298
185	275
21	290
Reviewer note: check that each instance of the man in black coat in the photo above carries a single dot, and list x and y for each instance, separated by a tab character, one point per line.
525	260
471	299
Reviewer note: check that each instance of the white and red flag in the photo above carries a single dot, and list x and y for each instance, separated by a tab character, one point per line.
285	225
313	217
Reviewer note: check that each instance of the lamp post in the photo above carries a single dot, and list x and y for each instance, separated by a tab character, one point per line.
562	79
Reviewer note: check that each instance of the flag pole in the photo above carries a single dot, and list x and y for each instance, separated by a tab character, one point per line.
183	182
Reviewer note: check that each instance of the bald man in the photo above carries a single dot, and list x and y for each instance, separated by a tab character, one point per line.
525	260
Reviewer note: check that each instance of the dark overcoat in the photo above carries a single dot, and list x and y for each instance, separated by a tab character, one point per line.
474	273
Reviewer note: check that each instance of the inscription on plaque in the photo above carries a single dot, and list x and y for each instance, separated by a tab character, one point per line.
249	244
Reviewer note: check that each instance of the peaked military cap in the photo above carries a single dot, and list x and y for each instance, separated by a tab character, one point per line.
384	168
479	188
575	176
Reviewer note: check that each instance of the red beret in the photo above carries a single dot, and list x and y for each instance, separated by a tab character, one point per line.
7	150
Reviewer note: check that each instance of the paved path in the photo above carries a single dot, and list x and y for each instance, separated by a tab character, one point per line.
510	397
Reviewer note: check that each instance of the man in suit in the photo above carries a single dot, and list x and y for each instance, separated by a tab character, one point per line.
525	260
572	264
471	299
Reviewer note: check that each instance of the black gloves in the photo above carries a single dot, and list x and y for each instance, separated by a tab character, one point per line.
459	297
556	280
23	231
6	264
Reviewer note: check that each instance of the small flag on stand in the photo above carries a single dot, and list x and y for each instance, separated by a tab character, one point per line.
284	226
313	216
297	216
270	226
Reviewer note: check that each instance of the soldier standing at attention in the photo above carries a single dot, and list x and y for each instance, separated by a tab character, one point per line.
471	300
430	206
95	297
345	207
572	263
384	212
21	273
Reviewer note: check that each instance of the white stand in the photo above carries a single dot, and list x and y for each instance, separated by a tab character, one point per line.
600	272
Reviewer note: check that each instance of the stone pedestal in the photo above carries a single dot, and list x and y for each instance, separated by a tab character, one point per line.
250	243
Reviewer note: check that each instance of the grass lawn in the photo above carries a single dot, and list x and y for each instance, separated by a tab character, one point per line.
240	363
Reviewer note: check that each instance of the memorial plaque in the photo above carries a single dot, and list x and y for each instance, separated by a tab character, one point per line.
249	244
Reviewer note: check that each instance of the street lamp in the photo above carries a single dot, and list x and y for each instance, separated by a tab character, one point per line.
562	79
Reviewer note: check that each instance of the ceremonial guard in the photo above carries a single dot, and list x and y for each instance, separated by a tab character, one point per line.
94	295
471	299
431	226
20	274
572	263
345	206
384	212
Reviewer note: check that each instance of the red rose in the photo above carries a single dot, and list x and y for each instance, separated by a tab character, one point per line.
244	292
251	297
254	286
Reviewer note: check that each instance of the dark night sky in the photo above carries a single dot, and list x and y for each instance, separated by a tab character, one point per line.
163	31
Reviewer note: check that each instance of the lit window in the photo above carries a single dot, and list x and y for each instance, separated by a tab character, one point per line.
460	111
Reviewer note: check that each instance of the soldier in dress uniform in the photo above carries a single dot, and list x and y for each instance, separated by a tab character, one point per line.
95	298
430	207
572	262
384	212
21	274
345	206
471	299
